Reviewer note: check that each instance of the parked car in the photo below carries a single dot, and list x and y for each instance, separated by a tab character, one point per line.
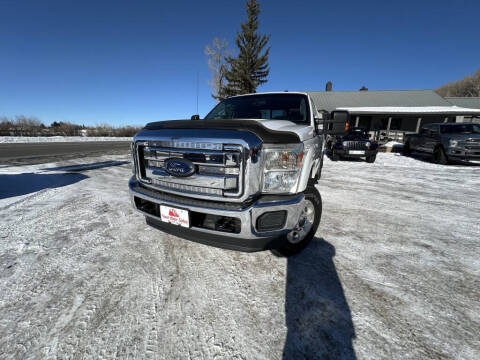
241	178
354	144
446	142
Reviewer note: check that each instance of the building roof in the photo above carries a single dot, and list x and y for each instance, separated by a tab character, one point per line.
452	110
331	100
468	102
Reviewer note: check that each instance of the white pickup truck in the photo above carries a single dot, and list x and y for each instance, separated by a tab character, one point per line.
242	178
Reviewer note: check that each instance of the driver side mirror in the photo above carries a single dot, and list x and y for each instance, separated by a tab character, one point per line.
319	120
195	117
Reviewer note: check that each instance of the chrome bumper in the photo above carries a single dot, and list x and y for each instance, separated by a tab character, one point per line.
463	154
248	239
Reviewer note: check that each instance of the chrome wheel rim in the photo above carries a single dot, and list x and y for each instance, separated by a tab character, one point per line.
304	225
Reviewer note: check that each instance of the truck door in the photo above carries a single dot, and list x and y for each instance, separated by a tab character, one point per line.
418	142
432	138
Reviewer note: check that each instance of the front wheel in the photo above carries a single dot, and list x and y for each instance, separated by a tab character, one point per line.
335	156
371	159
407	151
306	228
439	156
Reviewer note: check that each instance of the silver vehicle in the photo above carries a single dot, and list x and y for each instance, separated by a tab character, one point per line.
241	178
446	142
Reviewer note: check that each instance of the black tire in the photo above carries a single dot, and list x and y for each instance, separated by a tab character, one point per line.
439	156
371	159
290	249
407	151
335	156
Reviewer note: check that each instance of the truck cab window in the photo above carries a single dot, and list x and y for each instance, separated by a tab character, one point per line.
291	107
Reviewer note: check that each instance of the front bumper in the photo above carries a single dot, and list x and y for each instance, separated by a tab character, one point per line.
462	154
247	239
345	153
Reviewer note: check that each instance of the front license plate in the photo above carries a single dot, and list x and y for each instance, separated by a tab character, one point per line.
174	216
356	152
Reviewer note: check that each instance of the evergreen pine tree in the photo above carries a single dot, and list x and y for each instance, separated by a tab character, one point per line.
250	68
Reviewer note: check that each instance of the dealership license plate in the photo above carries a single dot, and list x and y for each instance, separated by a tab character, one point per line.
174	216
356	152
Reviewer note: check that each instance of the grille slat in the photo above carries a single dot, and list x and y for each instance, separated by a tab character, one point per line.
218	168
355	145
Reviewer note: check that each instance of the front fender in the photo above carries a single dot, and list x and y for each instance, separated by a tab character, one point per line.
311	162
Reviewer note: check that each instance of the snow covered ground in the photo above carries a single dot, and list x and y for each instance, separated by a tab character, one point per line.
393	273
35	139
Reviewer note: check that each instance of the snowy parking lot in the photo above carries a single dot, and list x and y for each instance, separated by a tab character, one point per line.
393	271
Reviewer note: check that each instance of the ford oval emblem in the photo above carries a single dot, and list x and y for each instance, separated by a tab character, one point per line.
179	167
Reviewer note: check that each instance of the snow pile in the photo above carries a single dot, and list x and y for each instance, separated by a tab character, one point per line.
392	144
393	271
34	139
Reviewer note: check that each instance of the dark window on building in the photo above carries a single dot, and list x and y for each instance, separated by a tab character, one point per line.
396	124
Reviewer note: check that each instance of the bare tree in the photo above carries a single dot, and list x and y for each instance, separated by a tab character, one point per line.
217	52
26	125
469	86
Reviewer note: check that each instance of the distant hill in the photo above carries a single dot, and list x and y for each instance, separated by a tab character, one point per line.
469	86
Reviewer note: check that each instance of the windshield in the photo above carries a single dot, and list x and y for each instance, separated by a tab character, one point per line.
460	129
292	107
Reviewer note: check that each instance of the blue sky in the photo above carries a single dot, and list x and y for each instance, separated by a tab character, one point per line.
131	62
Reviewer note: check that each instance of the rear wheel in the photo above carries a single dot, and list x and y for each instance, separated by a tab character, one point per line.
371	159
439	156
297	239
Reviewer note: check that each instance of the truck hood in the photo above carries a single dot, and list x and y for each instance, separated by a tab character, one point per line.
269	131
304	132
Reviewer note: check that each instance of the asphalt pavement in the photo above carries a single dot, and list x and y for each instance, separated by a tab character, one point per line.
34	153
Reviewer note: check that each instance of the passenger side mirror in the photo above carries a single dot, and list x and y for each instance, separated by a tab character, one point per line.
195	117
337	123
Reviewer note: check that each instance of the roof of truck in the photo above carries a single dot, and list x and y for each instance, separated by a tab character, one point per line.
271	93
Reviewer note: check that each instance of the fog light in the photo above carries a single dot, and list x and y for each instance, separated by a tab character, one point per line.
272	220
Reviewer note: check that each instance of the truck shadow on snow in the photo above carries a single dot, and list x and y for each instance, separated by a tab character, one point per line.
21	184
318	318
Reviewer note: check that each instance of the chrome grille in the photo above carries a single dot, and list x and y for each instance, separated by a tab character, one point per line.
469	144
355	145
218	167
472	146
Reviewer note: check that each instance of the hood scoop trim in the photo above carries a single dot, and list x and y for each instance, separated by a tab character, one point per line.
265	134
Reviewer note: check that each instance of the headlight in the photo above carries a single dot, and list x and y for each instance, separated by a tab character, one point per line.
453	143
367	144
344	144
282	167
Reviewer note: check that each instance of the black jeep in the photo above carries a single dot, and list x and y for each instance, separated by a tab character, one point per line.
354	144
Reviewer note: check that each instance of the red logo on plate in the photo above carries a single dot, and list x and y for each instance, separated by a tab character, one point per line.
173	213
